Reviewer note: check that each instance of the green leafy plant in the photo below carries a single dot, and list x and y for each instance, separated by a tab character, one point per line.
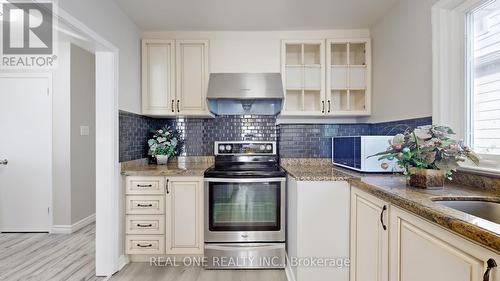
165	141
428	147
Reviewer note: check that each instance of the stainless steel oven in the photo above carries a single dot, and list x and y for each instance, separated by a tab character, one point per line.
245	209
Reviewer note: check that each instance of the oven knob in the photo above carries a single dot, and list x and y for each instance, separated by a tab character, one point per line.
262	147
269	147
221	147
228	147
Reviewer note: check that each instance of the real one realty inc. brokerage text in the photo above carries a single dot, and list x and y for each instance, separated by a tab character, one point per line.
222	261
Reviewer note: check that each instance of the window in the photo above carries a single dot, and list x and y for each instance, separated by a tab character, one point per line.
483	78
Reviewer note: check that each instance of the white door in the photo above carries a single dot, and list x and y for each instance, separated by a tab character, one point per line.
369	238
25	144
184	215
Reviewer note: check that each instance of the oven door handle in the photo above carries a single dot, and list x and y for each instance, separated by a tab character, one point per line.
244	247
236	180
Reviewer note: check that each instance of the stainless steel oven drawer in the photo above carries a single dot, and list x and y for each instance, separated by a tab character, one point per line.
245	255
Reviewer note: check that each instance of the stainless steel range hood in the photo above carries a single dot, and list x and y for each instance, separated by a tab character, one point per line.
245	93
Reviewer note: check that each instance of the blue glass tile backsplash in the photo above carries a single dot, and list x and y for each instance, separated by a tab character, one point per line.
133	134
294	140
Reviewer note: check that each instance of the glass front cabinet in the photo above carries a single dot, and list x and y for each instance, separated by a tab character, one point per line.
303	68
327	77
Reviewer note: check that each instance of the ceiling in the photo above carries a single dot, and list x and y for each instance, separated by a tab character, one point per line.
201	15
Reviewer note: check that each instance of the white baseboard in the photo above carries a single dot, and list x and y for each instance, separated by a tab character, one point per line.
122	261
67	229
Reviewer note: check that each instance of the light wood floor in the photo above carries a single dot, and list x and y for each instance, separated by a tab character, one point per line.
41	256
145	272
68	257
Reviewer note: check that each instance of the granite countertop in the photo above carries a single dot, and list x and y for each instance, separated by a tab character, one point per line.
310	169
194	167
393	189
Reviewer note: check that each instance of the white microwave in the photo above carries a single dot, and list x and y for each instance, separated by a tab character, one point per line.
353	153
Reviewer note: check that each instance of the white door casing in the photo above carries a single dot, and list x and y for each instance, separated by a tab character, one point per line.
26	142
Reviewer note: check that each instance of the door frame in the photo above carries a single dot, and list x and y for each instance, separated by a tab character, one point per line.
48	76
109	258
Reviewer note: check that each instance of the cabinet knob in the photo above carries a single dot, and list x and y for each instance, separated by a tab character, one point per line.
173	110
178	106
491	264
329	106
323	105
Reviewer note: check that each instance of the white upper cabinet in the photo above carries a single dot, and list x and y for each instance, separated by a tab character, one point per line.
174	77
192	76
303	68
348	77
158	77
326	77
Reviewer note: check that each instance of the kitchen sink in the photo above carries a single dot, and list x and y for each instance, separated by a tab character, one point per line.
487	210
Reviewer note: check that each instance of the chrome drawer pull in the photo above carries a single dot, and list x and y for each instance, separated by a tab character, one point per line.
144	246
144	185
144	225
144	205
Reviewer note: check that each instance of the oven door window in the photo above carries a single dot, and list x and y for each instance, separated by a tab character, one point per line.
244	206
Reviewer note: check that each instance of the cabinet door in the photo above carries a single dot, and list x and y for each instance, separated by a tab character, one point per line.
184	215
348	76
303	74
369	239
421	250
192	76
158	77
313	233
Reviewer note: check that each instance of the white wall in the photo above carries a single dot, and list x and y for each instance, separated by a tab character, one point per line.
107	19
61	146
402	62
250	51
82	147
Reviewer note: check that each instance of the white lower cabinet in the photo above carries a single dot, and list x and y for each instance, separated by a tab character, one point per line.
369	238
421	250
185	216
318	227
164	215
412	249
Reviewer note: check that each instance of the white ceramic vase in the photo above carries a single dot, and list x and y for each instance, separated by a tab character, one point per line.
161	159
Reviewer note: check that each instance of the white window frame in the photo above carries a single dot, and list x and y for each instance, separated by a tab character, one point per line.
449	79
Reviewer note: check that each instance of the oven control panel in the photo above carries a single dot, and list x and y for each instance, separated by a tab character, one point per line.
245	148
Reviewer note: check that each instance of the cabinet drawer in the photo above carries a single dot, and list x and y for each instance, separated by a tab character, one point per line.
145	185
145	205
145	244
145	224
